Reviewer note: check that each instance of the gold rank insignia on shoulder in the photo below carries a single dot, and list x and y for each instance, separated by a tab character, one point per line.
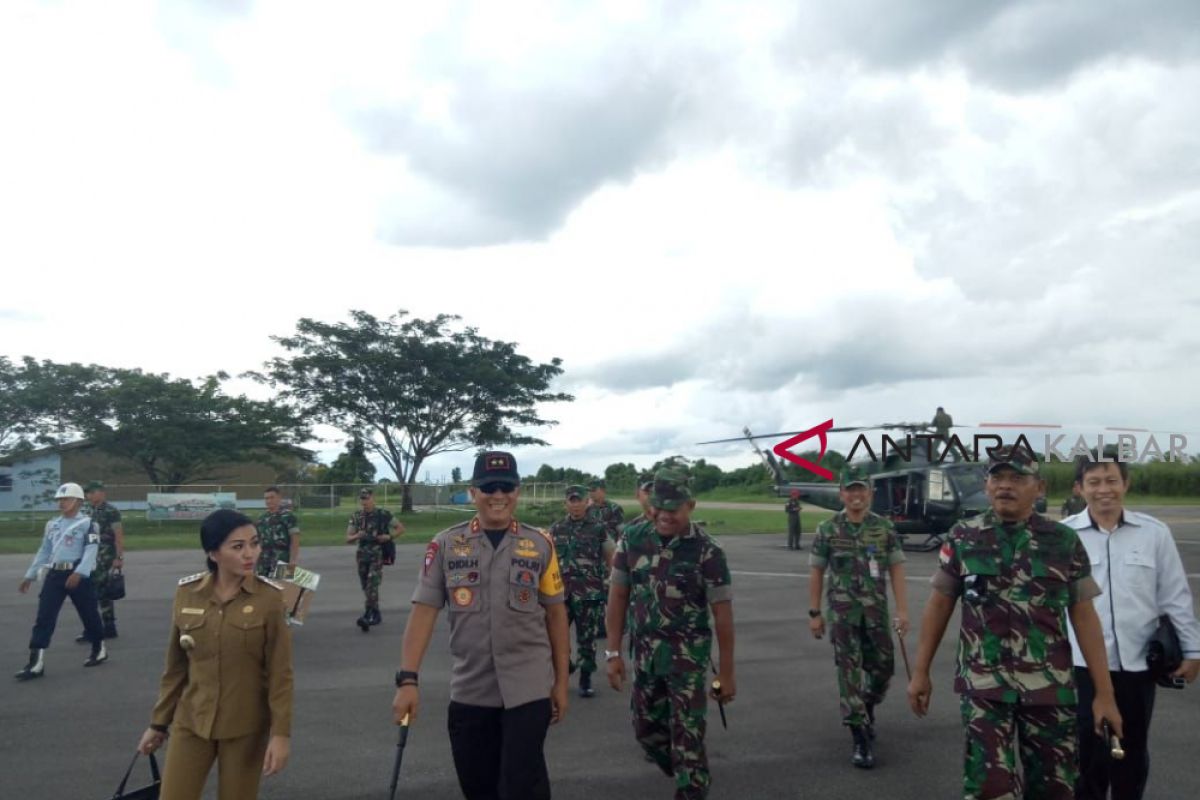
191	578
525	544
271	583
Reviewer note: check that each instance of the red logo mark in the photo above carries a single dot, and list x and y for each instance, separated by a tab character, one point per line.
783	449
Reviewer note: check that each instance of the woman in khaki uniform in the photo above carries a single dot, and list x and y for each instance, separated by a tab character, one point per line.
226	692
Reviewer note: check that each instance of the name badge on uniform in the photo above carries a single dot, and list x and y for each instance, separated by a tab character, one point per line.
873	566
191	611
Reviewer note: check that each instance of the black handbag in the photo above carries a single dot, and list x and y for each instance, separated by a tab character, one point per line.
149	792
1164	655
114	587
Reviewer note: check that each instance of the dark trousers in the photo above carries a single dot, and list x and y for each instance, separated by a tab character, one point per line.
1098	770
498	751
50	601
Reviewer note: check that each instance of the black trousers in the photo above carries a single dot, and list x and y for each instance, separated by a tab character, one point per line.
498	751
50	601
1098	770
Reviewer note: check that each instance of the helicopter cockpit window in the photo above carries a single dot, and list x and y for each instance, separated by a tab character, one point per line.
939	486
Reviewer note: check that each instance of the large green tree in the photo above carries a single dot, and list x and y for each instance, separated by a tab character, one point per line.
178	431
412	388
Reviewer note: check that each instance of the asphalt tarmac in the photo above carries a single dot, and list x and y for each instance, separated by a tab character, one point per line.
72	733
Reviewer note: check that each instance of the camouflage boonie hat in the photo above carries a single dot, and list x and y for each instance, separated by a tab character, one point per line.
645	481
1017	458
93	486
670	490
853	474
576	491
598	483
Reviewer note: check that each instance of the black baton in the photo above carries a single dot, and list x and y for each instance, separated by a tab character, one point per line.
400	743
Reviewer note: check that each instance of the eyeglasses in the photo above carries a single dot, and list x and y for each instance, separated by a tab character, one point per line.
496	486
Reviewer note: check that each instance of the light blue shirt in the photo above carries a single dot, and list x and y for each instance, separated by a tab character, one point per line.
1138	568
68	539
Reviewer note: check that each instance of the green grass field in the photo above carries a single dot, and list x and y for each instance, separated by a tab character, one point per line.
21	532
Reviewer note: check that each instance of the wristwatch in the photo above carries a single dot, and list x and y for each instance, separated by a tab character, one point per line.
609	655
405	678
814	613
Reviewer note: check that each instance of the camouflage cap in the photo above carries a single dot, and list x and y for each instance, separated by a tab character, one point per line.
854	474
645	481
1017	458
598	483
670	490
576	491
93	486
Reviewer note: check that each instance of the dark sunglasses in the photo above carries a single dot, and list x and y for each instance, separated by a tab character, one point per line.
496	486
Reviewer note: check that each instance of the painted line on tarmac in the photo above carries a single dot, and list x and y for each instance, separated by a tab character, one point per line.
1195	576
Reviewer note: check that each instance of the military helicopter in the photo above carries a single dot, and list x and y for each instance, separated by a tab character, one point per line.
918	494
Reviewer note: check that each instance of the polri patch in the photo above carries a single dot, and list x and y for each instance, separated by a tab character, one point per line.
431	552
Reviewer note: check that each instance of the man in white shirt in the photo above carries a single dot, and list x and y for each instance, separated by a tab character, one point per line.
1137	564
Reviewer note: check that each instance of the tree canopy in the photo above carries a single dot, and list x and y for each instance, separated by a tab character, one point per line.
412	388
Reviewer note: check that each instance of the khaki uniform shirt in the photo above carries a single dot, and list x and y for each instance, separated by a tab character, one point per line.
498	637
233	676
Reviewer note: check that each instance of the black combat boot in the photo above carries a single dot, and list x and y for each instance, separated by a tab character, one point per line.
36	666
99	655
862	758
871	721
376	617
585	684
364	621
110	630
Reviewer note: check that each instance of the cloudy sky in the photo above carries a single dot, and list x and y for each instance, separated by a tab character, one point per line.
716	214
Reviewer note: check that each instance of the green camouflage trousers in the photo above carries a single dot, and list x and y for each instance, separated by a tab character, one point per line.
1045	737
669	723
268	559
865	661
105	557
587	616
370	574
793	526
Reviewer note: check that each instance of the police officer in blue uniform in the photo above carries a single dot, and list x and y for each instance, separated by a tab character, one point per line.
68	556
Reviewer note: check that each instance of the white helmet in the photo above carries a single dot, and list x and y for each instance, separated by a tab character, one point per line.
69	490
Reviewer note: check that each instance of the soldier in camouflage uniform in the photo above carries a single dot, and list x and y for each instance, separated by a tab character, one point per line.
1020	576
111	555
861	551
644	485
278	535
942	423
604	511
584	554
370	529
792	509
1073	504
668	574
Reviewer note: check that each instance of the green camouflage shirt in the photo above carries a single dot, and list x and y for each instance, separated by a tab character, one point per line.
275	530
608	514
1016	582
376	523
671	585
581	544
857	557
1073	505
105	516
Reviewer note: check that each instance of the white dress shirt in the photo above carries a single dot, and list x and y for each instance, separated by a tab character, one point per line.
1141	574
